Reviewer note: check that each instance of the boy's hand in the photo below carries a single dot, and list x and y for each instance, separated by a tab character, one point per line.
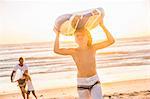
56	31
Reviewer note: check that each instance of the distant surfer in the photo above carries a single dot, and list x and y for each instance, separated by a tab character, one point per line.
88	84
24	69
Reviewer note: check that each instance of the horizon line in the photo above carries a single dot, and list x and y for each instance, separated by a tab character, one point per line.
118	38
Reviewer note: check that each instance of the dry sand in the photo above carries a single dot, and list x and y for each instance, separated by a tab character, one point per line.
132	89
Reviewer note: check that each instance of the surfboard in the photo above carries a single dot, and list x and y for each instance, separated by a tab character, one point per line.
17	75
67	24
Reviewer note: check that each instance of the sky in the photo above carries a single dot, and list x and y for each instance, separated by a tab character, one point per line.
25	21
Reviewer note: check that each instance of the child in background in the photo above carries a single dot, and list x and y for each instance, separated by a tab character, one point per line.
30	85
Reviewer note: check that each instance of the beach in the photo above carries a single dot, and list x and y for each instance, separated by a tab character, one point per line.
123	69
66	89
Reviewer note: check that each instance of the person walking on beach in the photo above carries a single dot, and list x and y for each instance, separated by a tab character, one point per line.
28	82
21	82
88	84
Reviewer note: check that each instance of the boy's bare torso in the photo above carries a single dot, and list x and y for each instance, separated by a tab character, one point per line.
85	61
84	55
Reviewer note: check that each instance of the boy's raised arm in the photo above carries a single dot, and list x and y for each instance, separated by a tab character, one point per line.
109	41
62	51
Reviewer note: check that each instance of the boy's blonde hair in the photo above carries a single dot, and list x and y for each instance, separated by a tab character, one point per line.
85	31
27	77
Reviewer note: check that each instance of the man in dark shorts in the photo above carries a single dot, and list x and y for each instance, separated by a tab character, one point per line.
21	82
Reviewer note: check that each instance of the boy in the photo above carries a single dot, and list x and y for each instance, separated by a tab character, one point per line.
88	83
30	85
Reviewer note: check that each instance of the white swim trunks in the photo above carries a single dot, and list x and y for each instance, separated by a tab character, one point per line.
89	88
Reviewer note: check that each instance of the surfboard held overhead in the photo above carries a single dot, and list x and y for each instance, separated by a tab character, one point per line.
67	24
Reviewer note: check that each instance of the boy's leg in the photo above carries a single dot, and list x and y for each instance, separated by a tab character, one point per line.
28	93
22	92
96	92
33	92
84	94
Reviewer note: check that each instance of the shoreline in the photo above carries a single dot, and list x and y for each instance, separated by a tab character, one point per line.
57	80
